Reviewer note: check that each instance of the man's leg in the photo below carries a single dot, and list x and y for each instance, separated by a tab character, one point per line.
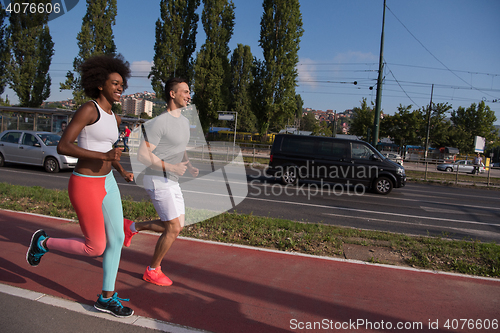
172	229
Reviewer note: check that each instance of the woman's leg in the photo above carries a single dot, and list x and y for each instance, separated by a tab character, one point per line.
86	195
113	220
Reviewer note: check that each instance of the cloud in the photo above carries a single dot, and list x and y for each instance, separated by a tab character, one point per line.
309	75
141	68
307	69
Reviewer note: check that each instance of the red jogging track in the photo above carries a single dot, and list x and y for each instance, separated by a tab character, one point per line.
222	288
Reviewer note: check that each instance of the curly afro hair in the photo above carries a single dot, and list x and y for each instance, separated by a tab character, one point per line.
95	71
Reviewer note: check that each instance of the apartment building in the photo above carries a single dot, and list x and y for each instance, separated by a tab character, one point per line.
137	106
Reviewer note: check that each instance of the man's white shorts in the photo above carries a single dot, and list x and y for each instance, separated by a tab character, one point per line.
166	196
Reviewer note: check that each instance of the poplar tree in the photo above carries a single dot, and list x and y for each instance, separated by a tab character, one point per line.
211	84
280	33
175	42
95	38
3	51
240	88
257	92
361	121
31	49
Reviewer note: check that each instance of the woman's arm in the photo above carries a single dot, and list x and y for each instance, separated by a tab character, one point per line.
128	176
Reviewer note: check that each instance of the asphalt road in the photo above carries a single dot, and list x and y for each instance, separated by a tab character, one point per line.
420	209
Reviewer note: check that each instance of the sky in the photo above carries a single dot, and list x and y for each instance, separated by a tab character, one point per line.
451	44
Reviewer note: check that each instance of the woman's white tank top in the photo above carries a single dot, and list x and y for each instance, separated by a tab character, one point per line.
102	134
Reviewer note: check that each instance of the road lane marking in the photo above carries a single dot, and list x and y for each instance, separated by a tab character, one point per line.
369	211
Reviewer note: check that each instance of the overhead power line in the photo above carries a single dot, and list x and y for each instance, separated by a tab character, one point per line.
443	64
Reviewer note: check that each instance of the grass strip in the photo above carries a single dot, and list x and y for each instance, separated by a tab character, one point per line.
470	256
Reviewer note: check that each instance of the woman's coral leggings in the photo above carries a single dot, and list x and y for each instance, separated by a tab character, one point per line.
98	204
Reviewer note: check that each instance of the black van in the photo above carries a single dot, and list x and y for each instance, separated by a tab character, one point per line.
351	162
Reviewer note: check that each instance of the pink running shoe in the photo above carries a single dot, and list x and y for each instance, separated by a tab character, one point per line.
156	277
128	232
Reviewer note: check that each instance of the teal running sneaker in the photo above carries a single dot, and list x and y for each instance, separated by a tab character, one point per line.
36	251
113	306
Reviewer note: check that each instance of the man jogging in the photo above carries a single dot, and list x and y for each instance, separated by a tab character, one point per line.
163	151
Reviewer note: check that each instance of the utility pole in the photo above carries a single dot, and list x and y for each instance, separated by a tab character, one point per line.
378	100
334	132
428	124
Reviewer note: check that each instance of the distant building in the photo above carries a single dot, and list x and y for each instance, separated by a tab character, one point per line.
137	106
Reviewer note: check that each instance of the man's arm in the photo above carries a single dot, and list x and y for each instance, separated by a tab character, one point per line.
145	156
192	170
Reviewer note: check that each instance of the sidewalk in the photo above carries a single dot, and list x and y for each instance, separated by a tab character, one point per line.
222	288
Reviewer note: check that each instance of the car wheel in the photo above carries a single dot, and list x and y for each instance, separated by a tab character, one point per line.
382	185
448	169
290	176
51	165
2	161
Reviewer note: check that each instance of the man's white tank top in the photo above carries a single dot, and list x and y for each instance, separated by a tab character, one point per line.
102	134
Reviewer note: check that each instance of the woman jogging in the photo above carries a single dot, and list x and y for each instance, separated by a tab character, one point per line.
92	188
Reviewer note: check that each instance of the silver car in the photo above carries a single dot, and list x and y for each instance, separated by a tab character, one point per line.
461	165
33	148
394	157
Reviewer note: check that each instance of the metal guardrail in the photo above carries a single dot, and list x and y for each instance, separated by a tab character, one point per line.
217	151
221	151
491	172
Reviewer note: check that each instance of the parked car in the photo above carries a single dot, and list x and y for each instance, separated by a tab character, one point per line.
461	165
394	157
295	157
33	148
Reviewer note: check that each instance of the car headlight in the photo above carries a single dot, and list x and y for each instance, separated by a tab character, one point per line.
400	171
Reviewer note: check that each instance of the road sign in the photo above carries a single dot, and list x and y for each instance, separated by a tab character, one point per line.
226	116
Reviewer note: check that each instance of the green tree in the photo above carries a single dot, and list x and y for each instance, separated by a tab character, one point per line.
476	120
53	105
257	91
31	50
4	53
281	29
240	88
175	42
212	77
405	127
299	104
325	129
439	133
158	109
309	123
362	120
144	115
95	38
